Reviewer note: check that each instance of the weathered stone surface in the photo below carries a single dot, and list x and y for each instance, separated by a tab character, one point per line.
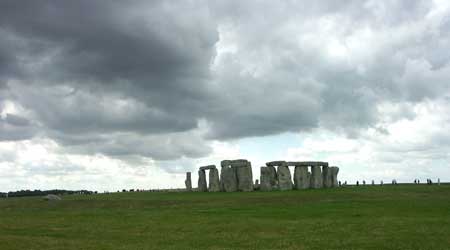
214	184
275	163
239	163
228	180
326	177
245	178
307	163
188	182
273	177
208	167
284	177
256	185
268	178
52	197
334	172
301	177
265	177
316	177
225	163
202	181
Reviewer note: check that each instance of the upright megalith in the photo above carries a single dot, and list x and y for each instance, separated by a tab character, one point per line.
202	181
283	174
188	182
228	179
316	177
236	175
256	185
326	177
301	177
266	179
334	172
284	178
244	174
214	183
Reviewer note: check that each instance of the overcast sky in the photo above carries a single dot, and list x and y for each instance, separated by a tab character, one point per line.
106	95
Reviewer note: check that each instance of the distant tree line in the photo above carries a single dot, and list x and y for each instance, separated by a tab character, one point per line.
36	192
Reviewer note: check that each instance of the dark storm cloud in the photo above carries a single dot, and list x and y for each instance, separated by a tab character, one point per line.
123	78
112	41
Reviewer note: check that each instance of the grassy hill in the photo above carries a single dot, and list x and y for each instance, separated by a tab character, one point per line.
369	217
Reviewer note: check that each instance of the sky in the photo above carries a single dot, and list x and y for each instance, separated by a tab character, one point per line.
107	95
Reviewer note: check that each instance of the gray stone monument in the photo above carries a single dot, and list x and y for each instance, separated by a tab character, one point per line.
202	181
228	179
244	174
316	177
301	176
283	174
188	182
326	177
266	179
334	173
214	183
256	185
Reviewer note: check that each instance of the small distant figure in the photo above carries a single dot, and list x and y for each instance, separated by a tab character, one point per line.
415	181
418	181
381	183
345	183
357	183
439	182
339	183
364	182
373	183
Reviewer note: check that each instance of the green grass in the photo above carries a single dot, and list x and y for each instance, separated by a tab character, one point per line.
369	217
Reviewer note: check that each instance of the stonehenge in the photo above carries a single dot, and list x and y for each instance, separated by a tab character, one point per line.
236	175
202	181
268	179
188	182
334	172
214	184
228	180
283	174
301	177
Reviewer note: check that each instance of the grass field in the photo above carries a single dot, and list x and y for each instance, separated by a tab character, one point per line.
369	217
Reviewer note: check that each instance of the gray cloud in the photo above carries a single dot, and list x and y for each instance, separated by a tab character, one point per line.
122	78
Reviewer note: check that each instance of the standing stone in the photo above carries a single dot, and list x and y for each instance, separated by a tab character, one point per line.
273	177
244	177
326	177
256	185
214	184
284	177
202	181
188	182
334	180
266	179
228	180
316	177
301	177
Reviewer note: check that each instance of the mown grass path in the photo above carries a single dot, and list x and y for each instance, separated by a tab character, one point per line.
369	217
